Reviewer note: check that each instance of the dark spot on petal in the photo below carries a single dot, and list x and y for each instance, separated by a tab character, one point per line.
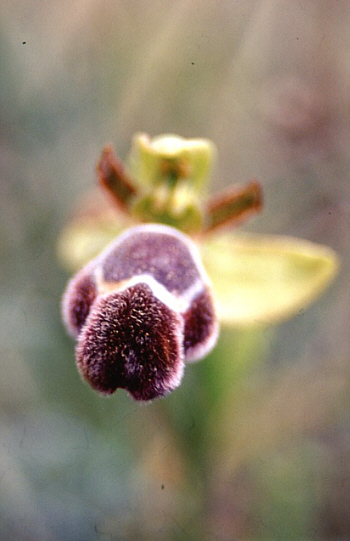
133	341
200	324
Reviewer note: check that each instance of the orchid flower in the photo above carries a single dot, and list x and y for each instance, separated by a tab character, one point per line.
159	267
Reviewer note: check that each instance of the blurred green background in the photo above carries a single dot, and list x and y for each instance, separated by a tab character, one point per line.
255	444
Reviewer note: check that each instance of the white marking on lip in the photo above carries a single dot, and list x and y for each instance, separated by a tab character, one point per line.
178	303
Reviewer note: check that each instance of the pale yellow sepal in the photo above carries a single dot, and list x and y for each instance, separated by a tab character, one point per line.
82	241
259	280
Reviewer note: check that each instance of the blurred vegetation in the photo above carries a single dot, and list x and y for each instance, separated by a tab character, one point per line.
255	443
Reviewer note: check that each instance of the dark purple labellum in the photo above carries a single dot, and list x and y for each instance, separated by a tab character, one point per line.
133	341
139	311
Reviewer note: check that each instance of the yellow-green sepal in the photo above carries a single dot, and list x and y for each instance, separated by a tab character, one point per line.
259	280
82	240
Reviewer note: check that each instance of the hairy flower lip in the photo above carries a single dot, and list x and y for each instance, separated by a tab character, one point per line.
131	340
139	310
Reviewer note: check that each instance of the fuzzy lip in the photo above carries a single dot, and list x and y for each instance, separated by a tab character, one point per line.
133	341
140	310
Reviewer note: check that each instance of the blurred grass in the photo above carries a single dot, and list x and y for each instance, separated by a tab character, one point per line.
255	443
